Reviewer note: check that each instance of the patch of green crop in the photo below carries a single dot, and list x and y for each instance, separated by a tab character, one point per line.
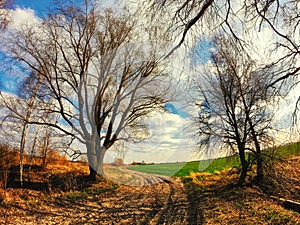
185	168
167	169
209	166
286	151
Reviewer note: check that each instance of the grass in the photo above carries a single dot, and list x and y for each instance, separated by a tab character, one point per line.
285	151
167	169
76	196
209	195
115	174
224	203
182	169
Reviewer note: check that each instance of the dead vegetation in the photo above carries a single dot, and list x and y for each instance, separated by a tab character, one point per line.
282	178
202	198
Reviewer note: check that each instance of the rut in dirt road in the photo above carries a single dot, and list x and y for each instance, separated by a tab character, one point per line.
160	203
173	207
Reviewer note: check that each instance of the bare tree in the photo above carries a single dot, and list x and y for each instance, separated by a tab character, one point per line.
192	20
235	111
21	111
97	77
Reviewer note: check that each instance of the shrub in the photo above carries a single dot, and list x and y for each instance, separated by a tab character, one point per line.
8	157
118	162
65	182
54	158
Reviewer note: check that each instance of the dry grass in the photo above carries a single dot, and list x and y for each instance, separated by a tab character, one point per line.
58	177
212	198
225	203
283	178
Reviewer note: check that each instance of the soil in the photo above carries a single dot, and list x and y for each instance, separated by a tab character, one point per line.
151	199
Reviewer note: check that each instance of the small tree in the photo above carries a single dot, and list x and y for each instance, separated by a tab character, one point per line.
236	110
118	162
21	110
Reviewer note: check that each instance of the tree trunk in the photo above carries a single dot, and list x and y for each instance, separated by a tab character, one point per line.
45	149
244	167
93	173
22	149
32	154
102	152
95	160
243	175
259	168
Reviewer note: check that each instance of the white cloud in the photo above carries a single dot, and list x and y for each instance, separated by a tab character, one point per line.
285	108
169	141
20	17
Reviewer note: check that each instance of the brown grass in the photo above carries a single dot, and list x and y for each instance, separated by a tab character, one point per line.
225	203
214	196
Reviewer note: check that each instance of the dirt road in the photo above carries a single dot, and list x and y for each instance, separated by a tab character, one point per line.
149	199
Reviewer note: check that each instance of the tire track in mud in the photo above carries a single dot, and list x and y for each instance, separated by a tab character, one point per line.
169	194
175	207
141	179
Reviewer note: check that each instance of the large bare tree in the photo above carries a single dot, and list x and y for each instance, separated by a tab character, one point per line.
95	73
236	110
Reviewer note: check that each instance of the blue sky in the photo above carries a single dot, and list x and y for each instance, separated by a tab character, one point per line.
201	54
169	107
39	6
8	83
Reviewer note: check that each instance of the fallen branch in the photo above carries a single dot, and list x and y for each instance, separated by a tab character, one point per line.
288	204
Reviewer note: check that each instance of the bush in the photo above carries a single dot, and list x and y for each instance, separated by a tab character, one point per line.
65	182
118	162
54	158
8	157
277	181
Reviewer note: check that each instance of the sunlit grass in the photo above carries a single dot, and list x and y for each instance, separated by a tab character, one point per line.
212	166
285	151
167	169
184	169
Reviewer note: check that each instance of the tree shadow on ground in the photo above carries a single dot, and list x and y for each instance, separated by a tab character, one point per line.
43	181
203	199
195	206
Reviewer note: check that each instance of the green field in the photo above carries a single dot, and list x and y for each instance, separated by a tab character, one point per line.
184	169
210	166
284	151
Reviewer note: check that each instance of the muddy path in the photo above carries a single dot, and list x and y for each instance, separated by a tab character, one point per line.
150	199
141	179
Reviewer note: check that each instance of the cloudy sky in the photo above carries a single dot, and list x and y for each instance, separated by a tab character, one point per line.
170	140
